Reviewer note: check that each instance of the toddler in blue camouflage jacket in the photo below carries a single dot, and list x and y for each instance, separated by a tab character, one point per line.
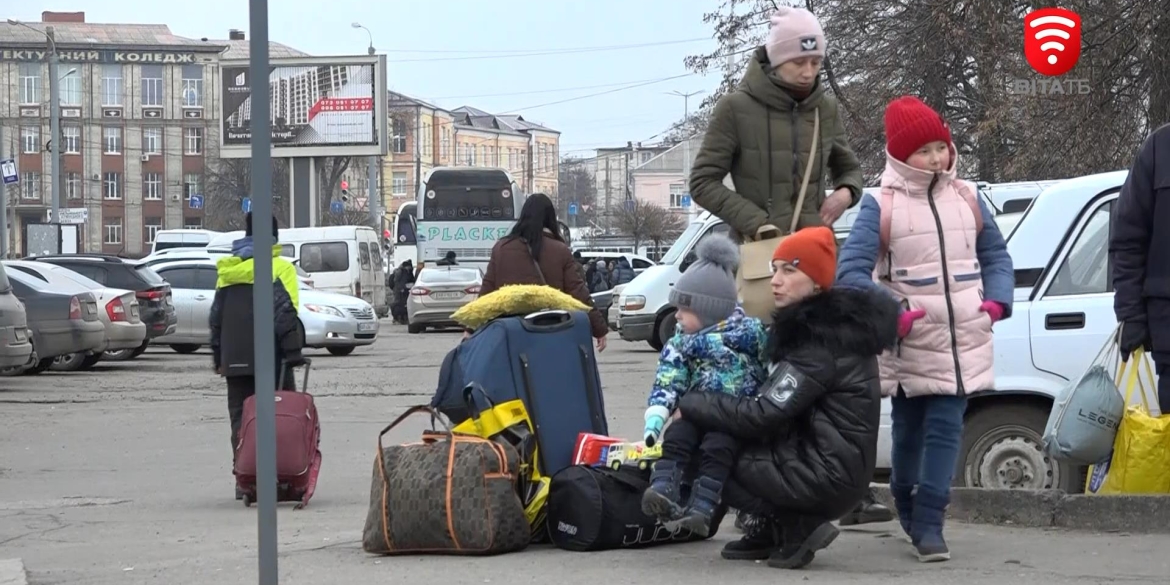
717	349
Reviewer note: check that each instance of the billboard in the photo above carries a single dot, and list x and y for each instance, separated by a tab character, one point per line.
320	106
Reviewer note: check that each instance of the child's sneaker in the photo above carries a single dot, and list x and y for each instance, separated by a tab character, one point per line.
704	499
661	499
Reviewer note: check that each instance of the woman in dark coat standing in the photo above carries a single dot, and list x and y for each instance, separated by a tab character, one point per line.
810	436
534	253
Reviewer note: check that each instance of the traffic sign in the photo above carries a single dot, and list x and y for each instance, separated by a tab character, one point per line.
337	207
8	168
246	204
572	209
686	200
196	201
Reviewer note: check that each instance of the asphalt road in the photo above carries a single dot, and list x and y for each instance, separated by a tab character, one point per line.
122	475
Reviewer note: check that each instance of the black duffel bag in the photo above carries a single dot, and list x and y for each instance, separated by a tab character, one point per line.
598	508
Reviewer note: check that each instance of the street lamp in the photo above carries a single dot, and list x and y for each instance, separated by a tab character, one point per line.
370	50
54	115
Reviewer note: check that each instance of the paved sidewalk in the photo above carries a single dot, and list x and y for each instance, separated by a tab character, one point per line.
12	572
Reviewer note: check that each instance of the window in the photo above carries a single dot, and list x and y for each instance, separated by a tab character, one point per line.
445	144
152	141
426	140
70	89
193	141
677	191
190	185
398	139
325	257
192	86
192	223
30	185
152	85
113	227
150	228
30	83
486	153
646	156
377	256
71	139
112	84
30	139
1086	268
364	255
112	140
112	186
180	278
152	188
73	185
398	184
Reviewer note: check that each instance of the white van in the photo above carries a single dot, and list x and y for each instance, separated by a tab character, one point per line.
340	259
168	239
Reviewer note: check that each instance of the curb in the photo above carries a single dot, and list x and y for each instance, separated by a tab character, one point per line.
1054	509
12	572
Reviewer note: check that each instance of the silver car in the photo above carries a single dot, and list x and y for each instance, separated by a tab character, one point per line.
15	348
117	310
438	292
338	323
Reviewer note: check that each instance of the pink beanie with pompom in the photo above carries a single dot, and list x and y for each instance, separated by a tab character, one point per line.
795	33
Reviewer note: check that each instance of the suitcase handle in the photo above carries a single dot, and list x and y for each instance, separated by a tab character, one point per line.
308	363
415	410
469	393
547	321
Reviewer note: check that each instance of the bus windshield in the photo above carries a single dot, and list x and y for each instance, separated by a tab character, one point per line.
469	196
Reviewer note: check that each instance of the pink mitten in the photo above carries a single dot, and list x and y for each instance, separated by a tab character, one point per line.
993	310
906	321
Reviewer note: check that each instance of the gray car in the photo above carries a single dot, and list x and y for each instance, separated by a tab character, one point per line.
15	347
437	293
63	322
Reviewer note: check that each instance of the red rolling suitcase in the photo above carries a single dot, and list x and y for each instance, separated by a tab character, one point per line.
298	455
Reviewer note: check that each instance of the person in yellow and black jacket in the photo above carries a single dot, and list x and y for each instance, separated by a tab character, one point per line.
231	322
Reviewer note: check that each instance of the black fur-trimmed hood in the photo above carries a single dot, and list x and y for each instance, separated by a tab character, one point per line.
844	321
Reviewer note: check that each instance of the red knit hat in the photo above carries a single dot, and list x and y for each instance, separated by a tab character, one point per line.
812	251
911	124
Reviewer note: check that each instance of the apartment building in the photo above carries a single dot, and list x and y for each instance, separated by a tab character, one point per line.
138	115
422	137
613	176
528	150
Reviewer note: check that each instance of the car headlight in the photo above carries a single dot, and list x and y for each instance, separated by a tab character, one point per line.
633	303
325	310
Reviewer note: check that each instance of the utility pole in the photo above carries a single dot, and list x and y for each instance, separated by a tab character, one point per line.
54	130
373	204
686	103
3	201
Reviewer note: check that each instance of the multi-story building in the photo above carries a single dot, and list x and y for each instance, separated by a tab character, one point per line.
422	137
138	114
613	177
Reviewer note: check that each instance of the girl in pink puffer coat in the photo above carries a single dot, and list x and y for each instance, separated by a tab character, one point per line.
932	243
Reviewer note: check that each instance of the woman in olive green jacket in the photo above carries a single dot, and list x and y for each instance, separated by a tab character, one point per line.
762	133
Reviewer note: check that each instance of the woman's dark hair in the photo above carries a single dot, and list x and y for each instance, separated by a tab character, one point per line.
538	215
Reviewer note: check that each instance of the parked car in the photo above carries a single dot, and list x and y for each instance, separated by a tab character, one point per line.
612	311
153	293
174	254
62	322
335	322
438	292
117	310
15	346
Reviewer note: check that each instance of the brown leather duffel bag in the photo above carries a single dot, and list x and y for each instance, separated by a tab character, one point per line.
449	493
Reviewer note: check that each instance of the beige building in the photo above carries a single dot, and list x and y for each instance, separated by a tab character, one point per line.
422	137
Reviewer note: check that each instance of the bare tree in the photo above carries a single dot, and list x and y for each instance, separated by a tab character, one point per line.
664	227
643	221
228	181
577	185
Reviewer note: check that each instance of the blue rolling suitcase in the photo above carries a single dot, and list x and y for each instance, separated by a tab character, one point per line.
546	360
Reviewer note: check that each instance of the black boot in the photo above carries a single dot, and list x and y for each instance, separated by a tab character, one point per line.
904	504
704	500
926	528
803	536
761	538
867	512
661	499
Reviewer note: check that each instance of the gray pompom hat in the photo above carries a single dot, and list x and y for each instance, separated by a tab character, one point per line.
707	288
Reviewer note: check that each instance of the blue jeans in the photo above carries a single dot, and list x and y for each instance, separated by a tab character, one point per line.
928	434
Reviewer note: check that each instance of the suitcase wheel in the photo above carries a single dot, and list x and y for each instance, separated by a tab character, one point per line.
248	500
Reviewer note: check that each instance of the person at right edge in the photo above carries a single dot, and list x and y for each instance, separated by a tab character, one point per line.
954	281
232	350
761	133
1140	259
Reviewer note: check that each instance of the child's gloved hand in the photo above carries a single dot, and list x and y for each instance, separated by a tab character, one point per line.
993	310
655	421
906	321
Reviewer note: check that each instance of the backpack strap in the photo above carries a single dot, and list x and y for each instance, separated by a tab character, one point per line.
886	204
968	193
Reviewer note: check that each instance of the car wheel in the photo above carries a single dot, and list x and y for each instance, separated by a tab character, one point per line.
91	360
184	348
40	367
68	363
139	350
415	328
664	331
1002	449
119	355
341	350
